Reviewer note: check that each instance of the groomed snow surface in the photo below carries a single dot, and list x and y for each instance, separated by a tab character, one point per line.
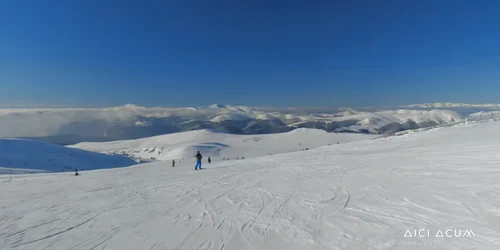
361	195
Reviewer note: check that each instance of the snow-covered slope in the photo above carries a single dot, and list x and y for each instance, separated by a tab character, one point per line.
230	117
21	156
374	194
485	115
220	145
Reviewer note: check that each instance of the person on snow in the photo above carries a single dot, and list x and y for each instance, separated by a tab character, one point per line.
209	160
198	161
173	163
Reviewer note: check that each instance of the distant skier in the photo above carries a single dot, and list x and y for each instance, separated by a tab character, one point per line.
198	161
173	163
209	160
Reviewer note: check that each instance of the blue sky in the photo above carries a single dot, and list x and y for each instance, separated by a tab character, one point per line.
257	53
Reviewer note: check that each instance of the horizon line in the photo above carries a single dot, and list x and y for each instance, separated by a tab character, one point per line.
131	105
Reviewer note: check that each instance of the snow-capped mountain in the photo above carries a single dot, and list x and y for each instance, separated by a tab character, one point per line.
70	126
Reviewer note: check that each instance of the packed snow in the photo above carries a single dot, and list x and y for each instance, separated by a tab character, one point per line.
22	156
437	189
184	145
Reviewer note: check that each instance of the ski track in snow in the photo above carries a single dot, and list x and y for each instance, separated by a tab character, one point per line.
362	195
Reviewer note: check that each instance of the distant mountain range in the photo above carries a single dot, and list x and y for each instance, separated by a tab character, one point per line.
453	105
71	126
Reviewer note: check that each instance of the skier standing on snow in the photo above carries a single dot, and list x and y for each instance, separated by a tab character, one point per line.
173	163
198	161
209	161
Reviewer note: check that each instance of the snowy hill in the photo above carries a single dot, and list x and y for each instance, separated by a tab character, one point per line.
220	145
22	156
431	190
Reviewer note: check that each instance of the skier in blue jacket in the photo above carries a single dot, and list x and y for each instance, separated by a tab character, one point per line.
198	161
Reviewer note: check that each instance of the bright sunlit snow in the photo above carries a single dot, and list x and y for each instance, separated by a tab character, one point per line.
184	145
361	195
